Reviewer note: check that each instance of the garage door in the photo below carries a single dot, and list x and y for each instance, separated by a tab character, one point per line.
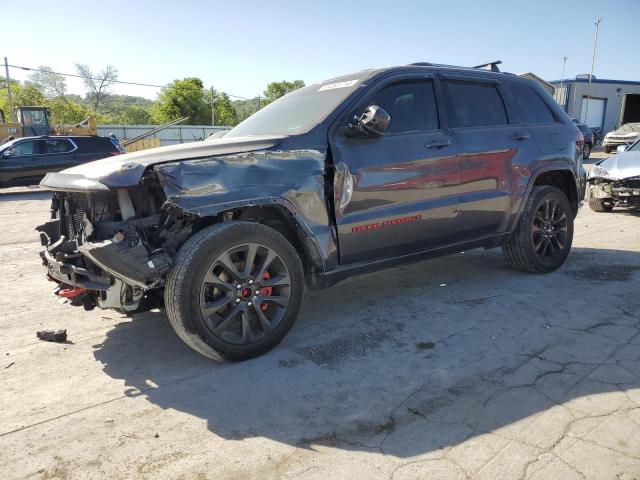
595	113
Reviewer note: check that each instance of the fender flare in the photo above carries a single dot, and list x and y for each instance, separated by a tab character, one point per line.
309	239
562	167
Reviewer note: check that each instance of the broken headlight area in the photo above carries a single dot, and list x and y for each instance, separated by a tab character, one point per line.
110	249
622	193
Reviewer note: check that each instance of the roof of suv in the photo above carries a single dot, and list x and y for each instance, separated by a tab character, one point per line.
425	66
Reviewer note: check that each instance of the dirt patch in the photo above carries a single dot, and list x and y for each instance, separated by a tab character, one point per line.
289	363
605	273
425	345
331	353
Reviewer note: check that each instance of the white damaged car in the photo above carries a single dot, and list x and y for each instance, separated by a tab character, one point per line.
615	181
623	136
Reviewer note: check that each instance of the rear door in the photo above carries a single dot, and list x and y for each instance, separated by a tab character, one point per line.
548	132
57	154
94	148
489	145
395	193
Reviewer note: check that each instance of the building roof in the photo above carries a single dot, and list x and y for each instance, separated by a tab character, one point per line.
546	85
595	80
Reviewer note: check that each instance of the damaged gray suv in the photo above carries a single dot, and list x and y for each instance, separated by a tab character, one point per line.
347	176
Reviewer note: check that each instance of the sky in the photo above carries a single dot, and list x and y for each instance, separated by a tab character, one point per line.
240	46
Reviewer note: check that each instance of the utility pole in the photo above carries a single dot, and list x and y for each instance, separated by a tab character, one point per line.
562	84
213	108
593	60
6	72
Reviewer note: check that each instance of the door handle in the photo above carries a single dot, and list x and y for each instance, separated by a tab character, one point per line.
439	144
518	137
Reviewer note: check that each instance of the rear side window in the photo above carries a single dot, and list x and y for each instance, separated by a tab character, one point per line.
98	145
411	105
530	107
475	104
57	146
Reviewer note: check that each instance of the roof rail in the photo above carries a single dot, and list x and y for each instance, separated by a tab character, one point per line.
493	66
421	64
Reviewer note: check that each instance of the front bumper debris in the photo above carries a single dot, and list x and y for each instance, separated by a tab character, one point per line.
108	274
623	193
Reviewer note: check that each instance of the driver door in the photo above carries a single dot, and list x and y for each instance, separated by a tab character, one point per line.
20	164
395	193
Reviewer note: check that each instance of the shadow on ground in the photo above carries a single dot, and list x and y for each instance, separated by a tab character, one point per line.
411	360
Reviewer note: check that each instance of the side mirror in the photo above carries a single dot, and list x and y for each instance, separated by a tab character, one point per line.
621	148
375	120
8	153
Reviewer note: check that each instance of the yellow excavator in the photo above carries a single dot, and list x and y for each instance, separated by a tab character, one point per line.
35	121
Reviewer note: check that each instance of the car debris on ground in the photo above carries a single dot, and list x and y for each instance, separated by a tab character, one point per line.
58	336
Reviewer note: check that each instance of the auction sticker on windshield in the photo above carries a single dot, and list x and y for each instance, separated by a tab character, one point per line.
333	86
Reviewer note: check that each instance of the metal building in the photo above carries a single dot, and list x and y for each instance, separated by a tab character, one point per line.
611	102
168	136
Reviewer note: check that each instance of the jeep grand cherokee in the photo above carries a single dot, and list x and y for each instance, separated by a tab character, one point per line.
339	178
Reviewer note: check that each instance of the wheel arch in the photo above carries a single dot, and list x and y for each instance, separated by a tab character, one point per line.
559	176
276	213
563	179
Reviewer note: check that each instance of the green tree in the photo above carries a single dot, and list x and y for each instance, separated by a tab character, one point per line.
134	115
225	112
22	94
182	98
276	90
67	112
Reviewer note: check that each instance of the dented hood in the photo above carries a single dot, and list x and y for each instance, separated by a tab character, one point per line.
623	165
127	170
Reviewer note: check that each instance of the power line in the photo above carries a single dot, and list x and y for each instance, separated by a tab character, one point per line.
114	81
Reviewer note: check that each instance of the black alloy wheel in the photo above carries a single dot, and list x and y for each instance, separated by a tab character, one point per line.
244	293
235	290
541	240
549	230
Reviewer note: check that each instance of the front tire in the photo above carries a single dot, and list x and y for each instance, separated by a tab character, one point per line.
586	150
542	238
235	290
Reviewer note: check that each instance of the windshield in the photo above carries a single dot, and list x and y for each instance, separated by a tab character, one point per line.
298	111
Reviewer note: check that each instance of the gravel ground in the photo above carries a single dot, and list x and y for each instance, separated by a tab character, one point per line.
448	369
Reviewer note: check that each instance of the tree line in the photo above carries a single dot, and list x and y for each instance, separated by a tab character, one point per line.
185	97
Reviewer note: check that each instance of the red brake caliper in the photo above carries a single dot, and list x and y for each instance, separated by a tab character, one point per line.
265	291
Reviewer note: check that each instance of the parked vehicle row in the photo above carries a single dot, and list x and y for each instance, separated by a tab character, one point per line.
25	161
347	176
589	138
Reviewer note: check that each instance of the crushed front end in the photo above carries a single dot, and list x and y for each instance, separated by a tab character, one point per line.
619	193
109	248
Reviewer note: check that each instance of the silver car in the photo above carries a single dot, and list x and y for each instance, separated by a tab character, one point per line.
615	181
625	135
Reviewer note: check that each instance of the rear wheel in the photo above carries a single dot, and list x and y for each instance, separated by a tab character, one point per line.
586	150
542	239
235	290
